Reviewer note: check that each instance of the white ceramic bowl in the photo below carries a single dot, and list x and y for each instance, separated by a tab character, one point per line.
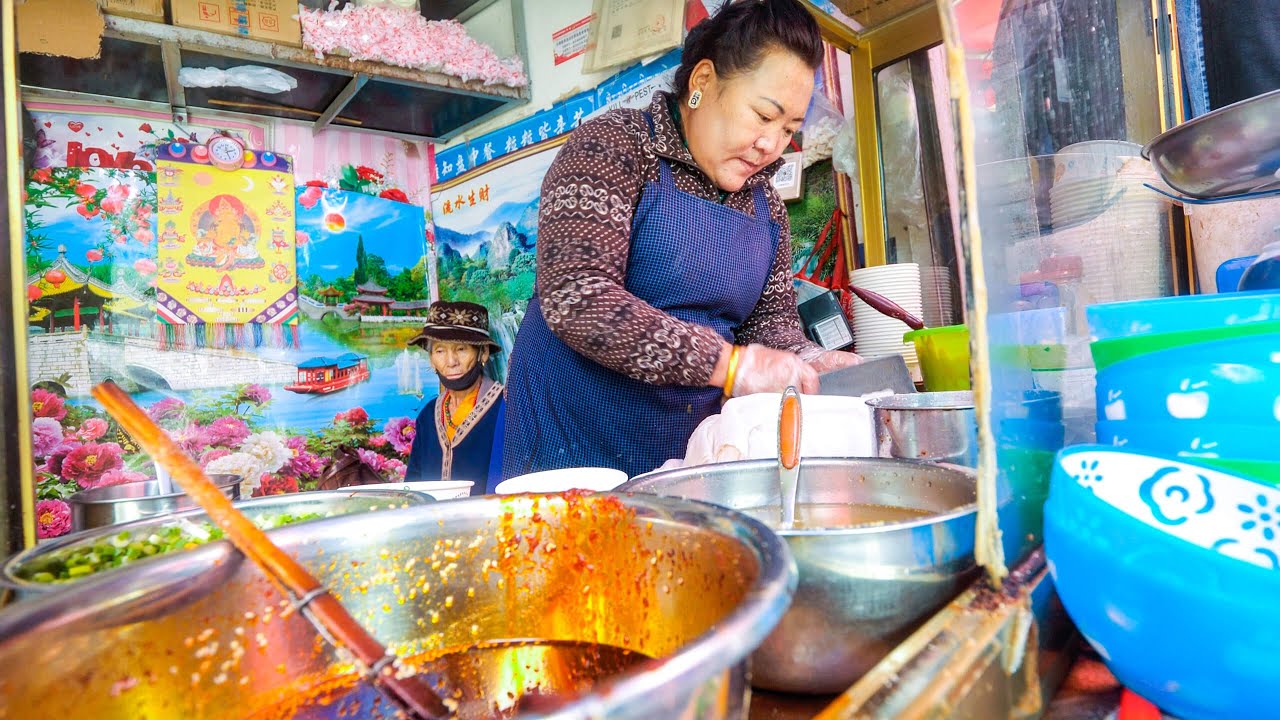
438	489
549	481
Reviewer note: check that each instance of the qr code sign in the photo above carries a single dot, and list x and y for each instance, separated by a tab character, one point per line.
617	32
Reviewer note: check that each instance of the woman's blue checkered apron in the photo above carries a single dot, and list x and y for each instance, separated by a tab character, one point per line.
692	258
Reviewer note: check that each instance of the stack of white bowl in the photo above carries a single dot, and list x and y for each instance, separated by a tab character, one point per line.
876	335
1084	177
1103	213
935	289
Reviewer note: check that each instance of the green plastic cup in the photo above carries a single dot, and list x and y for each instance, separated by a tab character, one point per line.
944	356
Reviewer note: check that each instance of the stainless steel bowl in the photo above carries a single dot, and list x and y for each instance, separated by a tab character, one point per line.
101	507
863	589
932	426
203	634
1232	150
330	503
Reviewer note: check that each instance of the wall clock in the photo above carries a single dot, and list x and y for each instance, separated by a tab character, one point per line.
226	153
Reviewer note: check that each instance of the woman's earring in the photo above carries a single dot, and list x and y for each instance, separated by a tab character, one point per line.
695	99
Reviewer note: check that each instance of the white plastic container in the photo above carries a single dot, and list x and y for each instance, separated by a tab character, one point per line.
550	481
438	489
1222	231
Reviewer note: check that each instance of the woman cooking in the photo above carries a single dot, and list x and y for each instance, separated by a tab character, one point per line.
664	257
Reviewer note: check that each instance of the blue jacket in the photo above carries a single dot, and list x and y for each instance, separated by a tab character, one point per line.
476	451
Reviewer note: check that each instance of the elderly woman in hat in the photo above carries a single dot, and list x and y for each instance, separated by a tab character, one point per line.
467	415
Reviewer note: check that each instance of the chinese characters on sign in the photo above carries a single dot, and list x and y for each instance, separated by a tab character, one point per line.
460	201
570	42
631	88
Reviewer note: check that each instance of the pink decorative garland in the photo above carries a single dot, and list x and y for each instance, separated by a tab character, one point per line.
405	38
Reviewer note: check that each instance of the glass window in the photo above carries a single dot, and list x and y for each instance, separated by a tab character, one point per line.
917	146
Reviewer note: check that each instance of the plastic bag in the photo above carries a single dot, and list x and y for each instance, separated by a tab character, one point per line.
821	125
844	151
900	156
844	157
249	77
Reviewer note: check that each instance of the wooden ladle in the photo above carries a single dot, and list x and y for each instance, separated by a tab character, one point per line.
309	597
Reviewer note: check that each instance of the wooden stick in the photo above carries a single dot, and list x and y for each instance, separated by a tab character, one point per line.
312	598
287	108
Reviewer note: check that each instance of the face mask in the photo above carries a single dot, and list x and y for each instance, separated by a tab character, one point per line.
466	381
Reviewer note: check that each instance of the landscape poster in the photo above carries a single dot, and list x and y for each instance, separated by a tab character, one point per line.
486	234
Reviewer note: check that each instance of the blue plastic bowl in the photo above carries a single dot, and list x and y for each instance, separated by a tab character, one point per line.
1256	442
1030	434
1172	314
1187	628
1037	405
1224	381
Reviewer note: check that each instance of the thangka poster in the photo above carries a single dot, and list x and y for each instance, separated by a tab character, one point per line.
227	249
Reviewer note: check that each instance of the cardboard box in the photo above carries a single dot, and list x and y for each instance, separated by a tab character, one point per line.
67	28
266	20
140	9
869	13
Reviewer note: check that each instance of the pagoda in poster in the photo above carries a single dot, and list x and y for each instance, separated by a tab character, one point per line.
66	298
372	299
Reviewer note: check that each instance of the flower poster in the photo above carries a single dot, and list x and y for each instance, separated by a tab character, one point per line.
227	249
90	250
94	269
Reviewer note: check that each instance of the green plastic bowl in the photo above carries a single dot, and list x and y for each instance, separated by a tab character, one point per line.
1262	470
944	357
1109	352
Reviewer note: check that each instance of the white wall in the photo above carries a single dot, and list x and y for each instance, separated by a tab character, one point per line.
549	83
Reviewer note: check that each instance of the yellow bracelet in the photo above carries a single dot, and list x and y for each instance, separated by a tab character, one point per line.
731	374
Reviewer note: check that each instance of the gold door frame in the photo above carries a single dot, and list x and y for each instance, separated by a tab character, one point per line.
869	51
17	489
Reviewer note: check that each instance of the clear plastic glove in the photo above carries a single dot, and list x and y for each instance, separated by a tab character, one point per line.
765	370
834	360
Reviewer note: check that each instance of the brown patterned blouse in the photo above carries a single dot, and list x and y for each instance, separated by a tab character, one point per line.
584	238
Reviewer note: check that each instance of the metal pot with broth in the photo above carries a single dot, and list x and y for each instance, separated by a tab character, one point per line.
594	606
880	545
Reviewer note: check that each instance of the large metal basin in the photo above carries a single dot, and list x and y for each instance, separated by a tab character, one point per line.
101	507
863	589
203	634
1232	150
328	503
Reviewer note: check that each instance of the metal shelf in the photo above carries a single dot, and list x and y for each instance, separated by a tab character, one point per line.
140	62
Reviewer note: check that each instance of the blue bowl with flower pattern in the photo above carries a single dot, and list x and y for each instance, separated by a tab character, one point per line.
1171	570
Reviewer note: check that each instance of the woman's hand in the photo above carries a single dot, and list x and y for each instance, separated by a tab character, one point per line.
765	370
834	360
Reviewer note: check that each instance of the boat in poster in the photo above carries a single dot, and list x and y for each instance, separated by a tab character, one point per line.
324	375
